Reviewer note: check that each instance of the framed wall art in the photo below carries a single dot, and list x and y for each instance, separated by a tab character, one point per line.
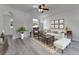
57	24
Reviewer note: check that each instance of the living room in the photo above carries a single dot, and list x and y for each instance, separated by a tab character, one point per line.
55	20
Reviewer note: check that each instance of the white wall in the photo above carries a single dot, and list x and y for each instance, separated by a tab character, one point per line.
1	18
20	19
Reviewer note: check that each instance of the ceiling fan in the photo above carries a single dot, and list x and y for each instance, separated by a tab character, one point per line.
41	8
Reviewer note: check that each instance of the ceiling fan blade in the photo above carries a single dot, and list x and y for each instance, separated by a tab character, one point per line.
41	8
45	9
35	6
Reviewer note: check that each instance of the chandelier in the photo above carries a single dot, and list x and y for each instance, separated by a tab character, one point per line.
42	8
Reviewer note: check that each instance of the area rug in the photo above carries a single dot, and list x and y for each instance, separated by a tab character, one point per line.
51	50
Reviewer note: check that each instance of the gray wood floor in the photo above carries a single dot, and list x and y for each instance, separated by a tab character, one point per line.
25	47
29	47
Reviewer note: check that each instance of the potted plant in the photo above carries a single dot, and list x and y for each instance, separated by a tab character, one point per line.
21	30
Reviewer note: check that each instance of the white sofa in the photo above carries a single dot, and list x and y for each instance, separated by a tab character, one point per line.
62	43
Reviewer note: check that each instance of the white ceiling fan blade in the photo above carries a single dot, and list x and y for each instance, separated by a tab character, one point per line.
35	6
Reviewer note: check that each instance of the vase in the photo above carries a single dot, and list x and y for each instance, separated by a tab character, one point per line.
22	35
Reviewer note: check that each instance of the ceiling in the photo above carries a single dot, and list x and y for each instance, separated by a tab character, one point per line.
53	8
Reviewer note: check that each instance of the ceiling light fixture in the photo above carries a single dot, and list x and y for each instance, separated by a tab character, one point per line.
42	8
